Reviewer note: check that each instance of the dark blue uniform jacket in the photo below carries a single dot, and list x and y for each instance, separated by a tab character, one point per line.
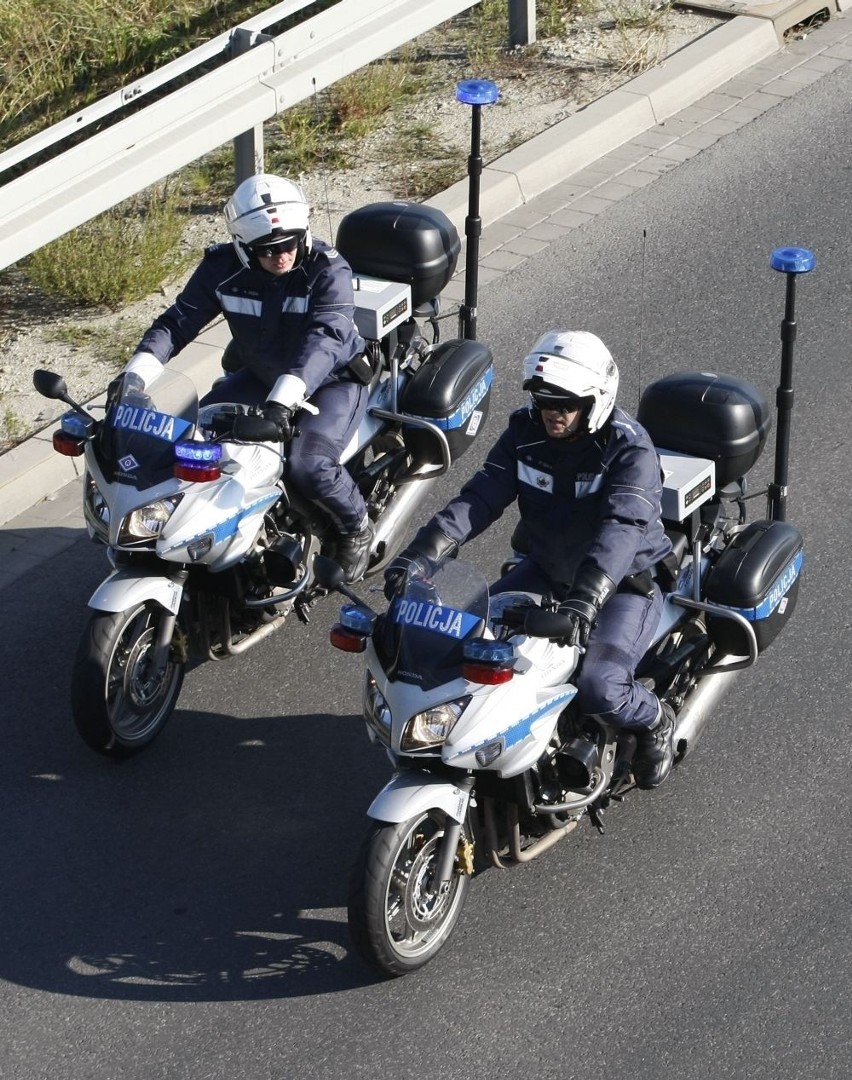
301	323
595	497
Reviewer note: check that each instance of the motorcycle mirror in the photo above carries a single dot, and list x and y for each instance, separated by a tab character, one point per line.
50	385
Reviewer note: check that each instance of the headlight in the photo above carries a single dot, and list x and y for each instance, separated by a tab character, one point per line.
95	509
147	522
376	711
432	727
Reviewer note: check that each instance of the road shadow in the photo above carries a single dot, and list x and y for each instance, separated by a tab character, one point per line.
214	866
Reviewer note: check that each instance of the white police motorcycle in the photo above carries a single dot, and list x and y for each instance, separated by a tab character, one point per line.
211	549
473	700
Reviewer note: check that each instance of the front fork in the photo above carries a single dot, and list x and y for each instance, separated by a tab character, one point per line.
449	848
166	632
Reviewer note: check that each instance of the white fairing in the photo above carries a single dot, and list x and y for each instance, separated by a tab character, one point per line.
520	715
230	510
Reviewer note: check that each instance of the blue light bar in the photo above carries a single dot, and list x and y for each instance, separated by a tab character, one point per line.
792	260
80	427
357	619
477	92
484	650
198	453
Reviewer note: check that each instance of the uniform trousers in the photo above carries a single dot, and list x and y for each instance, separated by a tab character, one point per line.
313	464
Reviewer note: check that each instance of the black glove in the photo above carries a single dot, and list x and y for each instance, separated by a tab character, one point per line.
426	552
126	382
590	590
281	416
129	388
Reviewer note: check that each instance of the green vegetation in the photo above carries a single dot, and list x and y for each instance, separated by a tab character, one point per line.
122	255
113	345
57	56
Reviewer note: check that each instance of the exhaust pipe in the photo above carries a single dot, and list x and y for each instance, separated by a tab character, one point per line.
395	518
701	703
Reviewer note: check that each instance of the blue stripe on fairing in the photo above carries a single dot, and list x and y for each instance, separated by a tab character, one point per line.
521	729
229	526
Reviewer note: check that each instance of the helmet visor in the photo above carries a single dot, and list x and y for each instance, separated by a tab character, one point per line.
560	403
284	245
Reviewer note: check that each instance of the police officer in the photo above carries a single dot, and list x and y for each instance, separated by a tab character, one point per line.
288	300
588	485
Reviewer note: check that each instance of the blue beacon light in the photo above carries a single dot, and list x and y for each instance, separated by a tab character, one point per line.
477	92
792	260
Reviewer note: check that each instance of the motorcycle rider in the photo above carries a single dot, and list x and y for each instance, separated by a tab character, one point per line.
288	300
588	485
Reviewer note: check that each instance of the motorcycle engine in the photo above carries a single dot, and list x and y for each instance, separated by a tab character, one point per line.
580	754
283	560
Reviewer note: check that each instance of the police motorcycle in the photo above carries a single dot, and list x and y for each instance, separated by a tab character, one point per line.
211	548
473	698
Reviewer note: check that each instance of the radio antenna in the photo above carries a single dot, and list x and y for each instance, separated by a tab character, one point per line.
641	319
323	164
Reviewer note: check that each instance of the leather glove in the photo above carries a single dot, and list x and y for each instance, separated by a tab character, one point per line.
426	552
590	590
281	416
128	388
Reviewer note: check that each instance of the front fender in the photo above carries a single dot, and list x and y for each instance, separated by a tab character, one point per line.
408	794
125	588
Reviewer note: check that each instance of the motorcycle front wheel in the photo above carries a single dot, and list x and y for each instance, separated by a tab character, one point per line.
398	918
118	704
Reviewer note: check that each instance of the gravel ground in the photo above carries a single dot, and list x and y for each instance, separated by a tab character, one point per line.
593	56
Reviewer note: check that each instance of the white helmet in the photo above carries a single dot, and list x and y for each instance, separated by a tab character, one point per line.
265	209
566	364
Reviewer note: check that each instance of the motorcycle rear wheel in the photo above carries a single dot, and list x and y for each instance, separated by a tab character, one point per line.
397	920
118	708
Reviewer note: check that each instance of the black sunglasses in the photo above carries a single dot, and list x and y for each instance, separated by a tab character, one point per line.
269	251
568	404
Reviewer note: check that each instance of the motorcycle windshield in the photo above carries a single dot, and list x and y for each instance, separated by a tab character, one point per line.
430	623
135	442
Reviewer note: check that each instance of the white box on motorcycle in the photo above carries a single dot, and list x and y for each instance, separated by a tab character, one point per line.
452	389
688	482
400	241
758	577
719	417
380	306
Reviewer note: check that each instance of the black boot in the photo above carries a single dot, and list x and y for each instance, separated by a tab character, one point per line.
654	756
353	553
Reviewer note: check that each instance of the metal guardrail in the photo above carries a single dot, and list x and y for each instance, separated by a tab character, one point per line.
113	164
218	47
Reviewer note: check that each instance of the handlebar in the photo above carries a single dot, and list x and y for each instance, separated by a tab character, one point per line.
535	621
248	427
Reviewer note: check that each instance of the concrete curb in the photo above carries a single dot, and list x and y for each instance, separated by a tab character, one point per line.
33	471
652	97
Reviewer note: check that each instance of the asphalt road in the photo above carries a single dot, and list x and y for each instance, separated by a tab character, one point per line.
182	915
